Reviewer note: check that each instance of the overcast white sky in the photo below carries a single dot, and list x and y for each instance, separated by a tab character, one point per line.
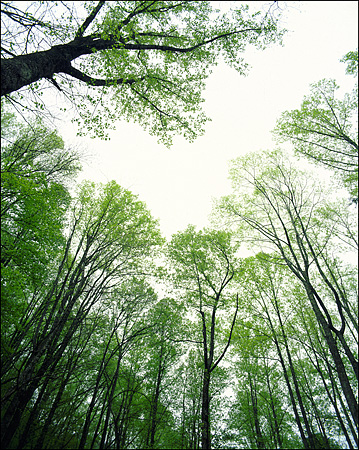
178	184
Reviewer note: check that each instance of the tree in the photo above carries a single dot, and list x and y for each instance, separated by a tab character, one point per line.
159	354
36	173
277	309
324	129
191	399
204	266
276	207
142	60
109	235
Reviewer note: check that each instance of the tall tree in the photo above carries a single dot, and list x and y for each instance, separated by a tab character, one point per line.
204	266
277	207
324	129
164	351
110	233
36	173
142	60
190	401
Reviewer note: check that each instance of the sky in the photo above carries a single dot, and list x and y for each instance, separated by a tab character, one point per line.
178	184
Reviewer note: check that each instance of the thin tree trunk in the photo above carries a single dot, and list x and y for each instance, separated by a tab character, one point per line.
206	436
258	432
277	435
294	378
333	348
110	398
55	405
290	390
153	423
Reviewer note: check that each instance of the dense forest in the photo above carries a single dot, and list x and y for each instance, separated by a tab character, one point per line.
114	337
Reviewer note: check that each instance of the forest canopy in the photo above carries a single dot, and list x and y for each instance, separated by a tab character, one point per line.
144	61
113	336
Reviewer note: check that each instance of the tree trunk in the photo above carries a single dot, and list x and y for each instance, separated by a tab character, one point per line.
206	437
33	416
55	405
339	365
153	422
294	378
112	388
290	390
95	393
276	432
258	432
23	70
331	397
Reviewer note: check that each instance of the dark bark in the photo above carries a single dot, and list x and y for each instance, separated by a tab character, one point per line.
294	378
258	432
96	391
153	419
324	373
321	312
55	405
33	415
276	431
111	393
23	70
206	432
333	348
286	377
43	360
353	430
210	365
50	344
290	390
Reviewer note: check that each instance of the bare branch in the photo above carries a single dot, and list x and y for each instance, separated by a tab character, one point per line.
89	19
229	338
97	81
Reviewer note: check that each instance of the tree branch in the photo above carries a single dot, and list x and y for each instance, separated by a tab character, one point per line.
229	338
185	340
75	73
169	48
89	19
204	333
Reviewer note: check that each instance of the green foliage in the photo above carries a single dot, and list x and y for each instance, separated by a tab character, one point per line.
351	58
204	262
276	207
324	129
148	61
92	357
36	170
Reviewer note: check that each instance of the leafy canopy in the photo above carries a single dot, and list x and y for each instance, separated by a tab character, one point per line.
325	128
144	61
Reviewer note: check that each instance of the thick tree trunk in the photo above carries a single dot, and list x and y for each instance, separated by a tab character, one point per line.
23	70
42	398
11	420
